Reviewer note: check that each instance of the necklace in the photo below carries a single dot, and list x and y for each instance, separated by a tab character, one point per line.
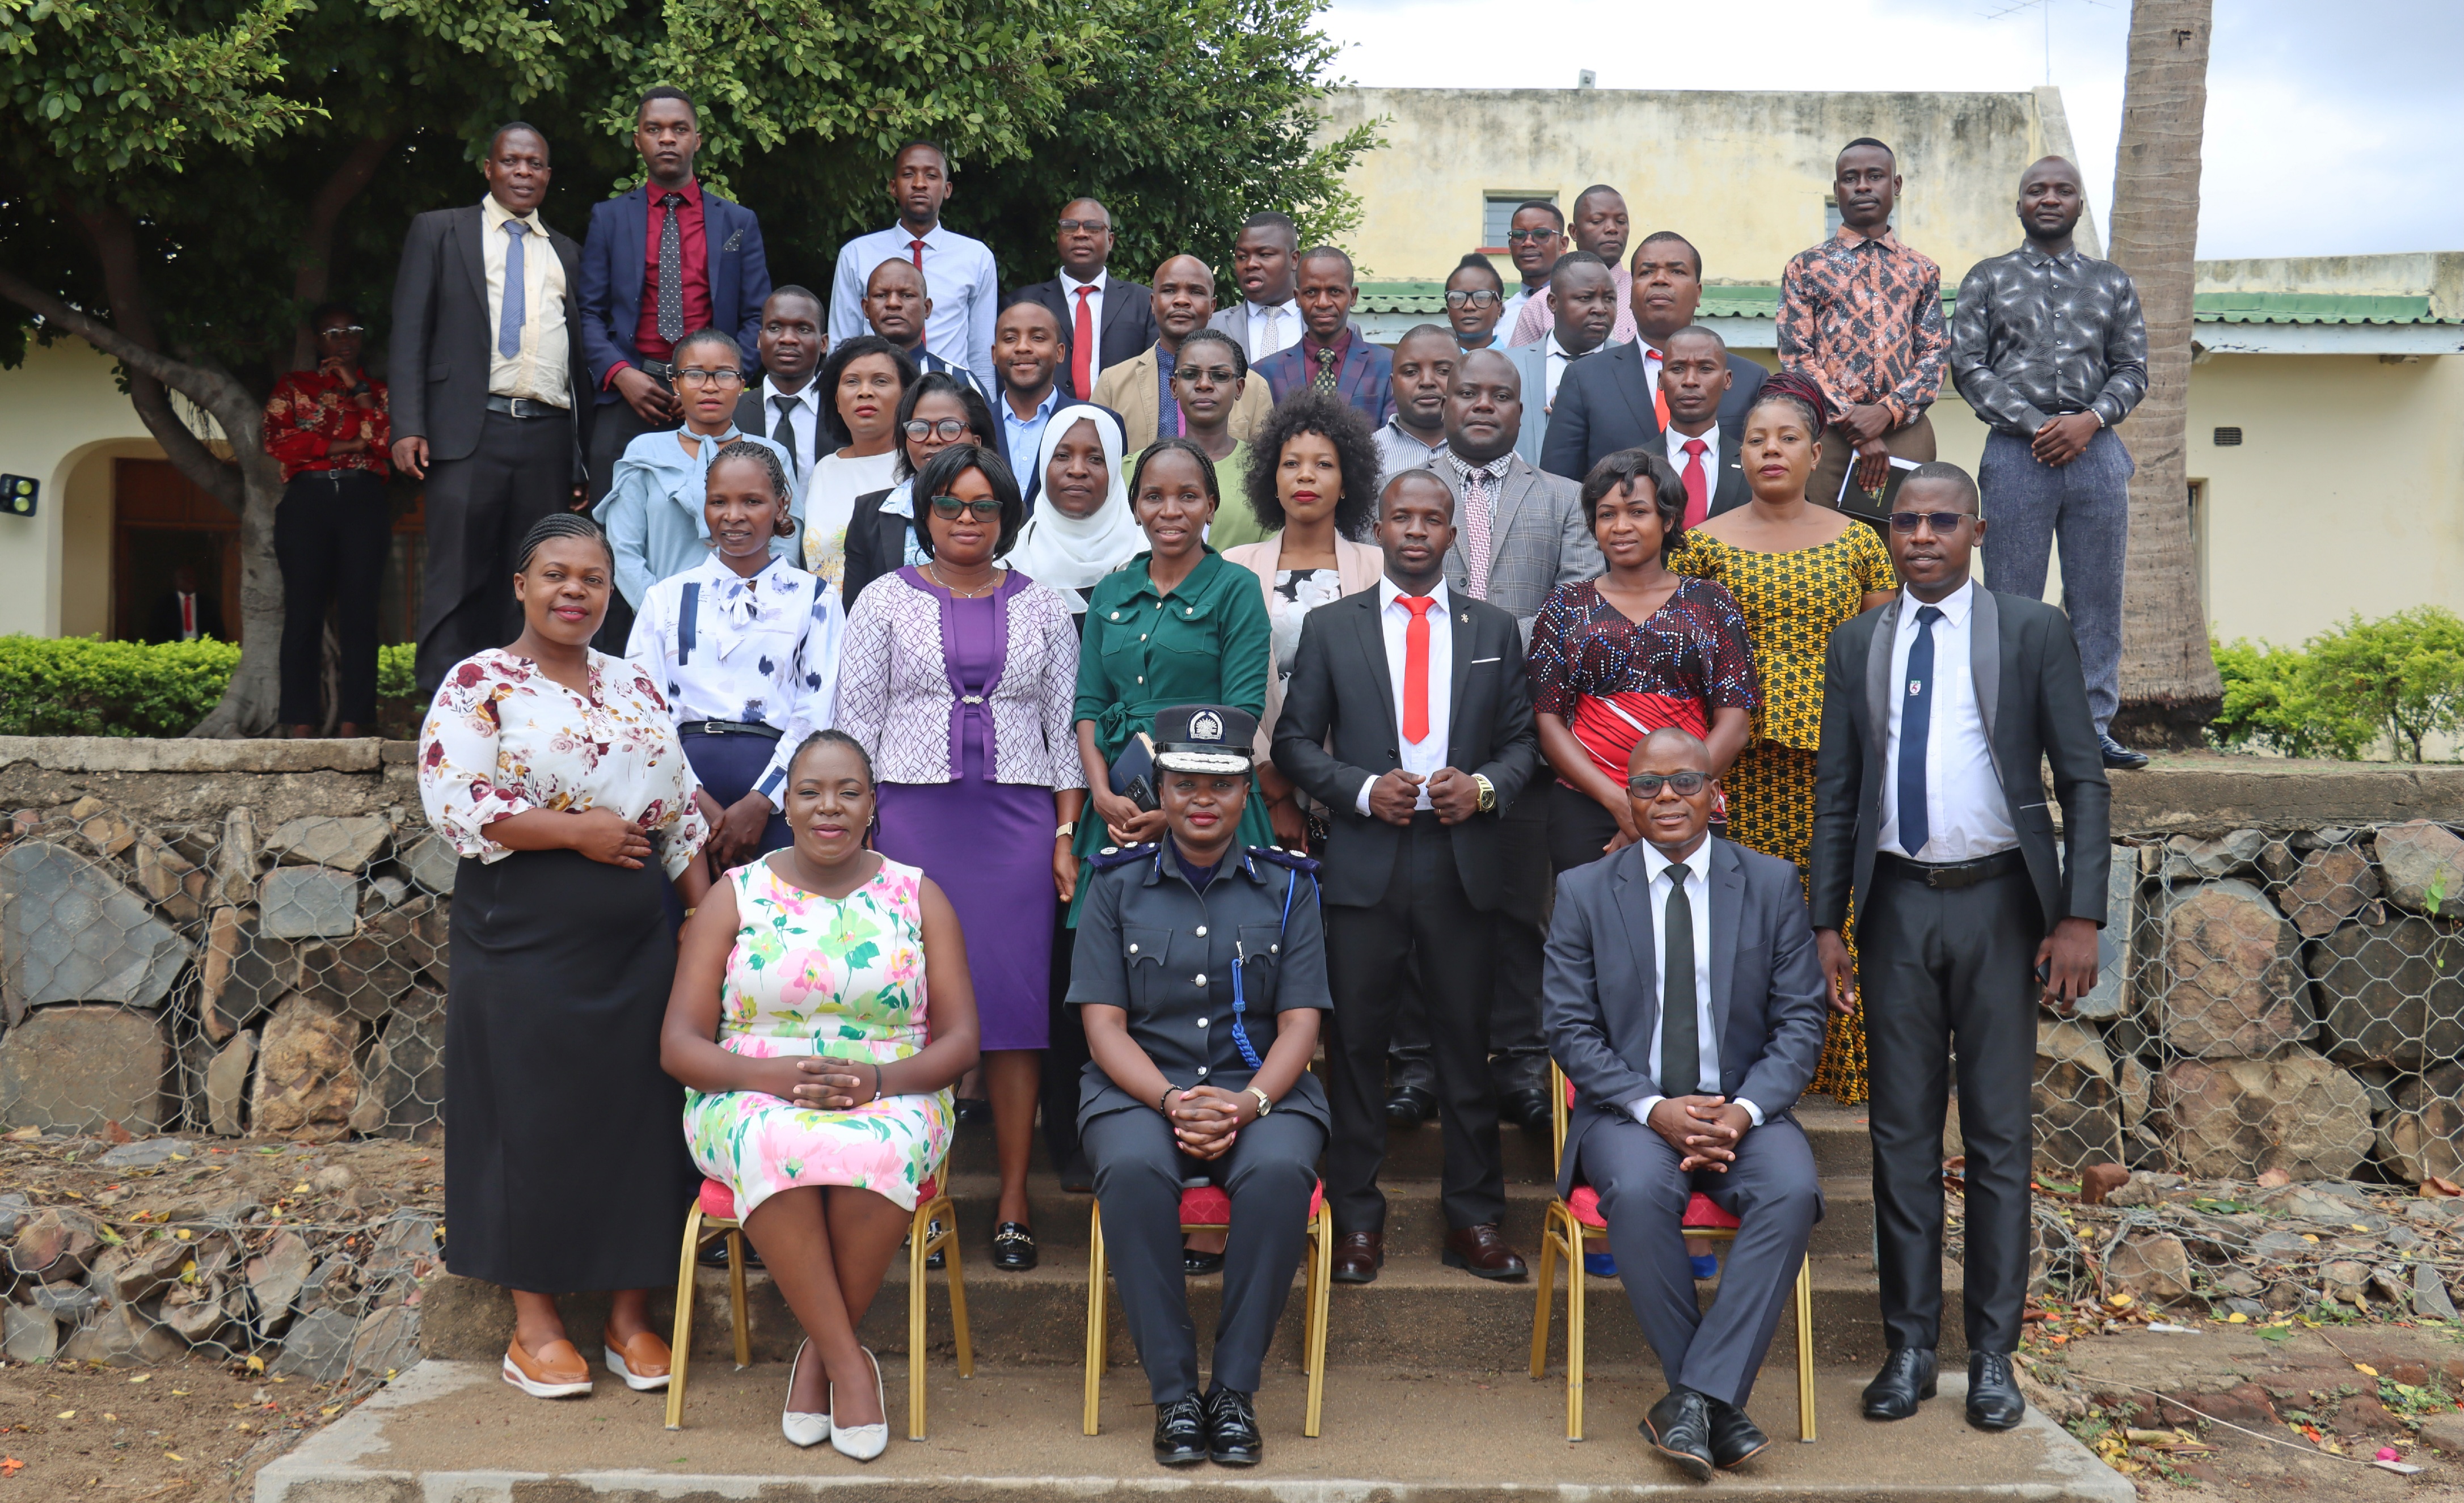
934	568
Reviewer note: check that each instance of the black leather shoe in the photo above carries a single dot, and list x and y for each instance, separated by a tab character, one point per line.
975	1111
1734	1438
1181	1432
1907	1377
936	1260
1679	1428
1409	1106
1526	1108
2119	756
715	1256
1013	1248
1232	1438
1194	1263
1994	1399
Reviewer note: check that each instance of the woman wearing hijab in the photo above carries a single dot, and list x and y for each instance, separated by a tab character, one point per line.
1083	528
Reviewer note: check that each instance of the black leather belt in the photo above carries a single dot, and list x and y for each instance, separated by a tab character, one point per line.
768	733
1948	876
522	406
664	370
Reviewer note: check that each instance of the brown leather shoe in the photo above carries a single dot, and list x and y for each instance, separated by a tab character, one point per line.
1479	1251
642	1362
1359	1255
557	1372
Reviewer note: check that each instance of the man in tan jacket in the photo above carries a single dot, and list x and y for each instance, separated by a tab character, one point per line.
1139	389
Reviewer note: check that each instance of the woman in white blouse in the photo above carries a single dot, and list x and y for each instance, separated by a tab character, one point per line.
745	645
556	772
862	384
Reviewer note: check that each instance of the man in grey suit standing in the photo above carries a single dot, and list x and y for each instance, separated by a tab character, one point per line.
1684	1001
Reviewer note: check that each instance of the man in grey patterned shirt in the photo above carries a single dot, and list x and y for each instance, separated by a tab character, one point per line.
2049	346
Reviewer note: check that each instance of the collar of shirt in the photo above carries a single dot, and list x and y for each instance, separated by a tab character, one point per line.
1677	442
1396	424
2036	256
1070	284
1852	239
1269	310
1954	606
1495	469
1167	861
493	215
1043	410
691	187
936	238
1698	866
1389	592
1339	347
807	397
1557	351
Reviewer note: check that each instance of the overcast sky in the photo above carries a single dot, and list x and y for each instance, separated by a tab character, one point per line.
2332	129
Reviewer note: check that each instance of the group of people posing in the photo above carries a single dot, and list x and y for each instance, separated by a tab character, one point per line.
1209	689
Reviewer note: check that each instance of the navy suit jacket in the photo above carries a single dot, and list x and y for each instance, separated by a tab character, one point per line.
614	268
1603	405
1365	380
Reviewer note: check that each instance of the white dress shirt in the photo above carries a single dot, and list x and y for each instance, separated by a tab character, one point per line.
958	276
1429	754
540	371
1559	360
1678	441
1070	301
1967	817
803	419
1272	329
1697	896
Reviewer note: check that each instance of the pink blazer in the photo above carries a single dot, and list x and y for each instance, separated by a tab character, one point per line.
1357	565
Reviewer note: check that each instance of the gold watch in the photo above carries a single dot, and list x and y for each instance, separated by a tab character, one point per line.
1068	831
1488	794
1266	1102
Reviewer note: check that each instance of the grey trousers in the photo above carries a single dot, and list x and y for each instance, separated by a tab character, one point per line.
1269	1172
2086	503
1941	971
1772	1191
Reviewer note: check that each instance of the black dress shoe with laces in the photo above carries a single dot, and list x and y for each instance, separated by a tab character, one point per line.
1994	1399
1734	1438
1526	1108
2120	758
1232	1438
1679	1428
1198	1265
1181	1432
1907	1377
1409	1106
1013	1246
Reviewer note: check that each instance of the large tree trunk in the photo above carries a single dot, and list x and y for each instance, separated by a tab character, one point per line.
2169	688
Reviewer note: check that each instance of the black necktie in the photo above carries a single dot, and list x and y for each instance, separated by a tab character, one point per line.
1916	723
671	270
1680	1033
784	434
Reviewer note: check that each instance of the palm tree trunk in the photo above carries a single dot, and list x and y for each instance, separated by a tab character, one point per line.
2170	687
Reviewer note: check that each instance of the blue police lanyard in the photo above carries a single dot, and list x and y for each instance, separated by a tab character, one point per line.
1241	963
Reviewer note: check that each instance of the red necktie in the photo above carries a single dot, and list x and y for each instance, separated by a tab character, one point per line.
915	249
1082	354
1697	485
1415	668
1659	398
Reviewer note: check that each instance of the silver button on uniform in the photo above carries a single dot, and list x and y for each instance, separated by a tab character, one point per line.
1199	931
1201	977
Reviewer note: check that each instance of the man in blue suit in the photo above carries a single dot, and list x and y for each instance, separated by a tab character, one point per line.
1333	354
661	261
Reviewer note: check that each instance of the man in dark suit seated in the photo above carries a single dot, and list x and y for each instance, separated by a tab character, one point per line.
1108	320
1684	1001
1613	400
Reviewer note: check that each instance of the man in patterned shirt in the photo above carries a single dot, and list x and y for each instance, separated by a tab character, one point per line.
1861	314
2049	349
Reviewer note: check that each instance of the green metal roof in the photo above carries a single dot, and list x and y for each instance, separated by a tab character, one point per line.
1749	300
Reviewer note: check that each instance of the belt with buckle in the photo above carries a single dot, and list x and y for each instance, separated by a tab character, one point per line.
768	733
1950	875
522	406
664	370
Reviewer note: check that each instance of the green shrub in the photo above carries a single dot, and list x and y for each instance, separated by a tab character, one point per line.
2397	681
76	686
395	679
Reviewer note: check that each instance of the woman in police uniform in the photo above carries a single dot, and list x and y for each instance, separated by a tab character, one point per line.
1190	952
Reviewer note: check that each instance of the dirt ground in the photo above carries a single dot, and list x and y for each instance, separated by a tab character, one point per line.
378	1175
190	1430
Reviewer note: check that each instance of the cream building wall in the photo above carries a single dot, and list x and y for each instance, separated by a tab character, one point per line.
63	420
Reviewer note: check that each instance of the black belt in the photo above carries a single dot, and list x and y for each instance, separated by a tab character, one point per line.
768	733
1948	876
524	406
664	370
336	477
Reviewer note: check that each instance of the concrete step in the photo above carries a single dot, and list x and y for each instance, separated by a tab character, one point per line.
1400	1435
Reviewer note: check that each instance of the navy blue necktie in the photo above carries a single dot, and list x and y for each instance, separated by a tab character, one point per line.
514	315
1916	719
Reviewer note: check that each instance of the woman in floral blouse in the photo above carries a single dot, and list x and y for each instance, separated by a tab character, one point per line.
822	1011
556	772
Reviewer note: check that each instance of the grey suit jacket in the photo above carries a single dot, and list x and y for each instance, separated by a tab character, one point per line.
1599	985
1537	542
2034	702
1235	321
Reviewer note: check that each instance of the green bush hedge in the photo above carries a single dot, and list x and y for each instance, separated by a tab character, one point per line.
2393	683
76	686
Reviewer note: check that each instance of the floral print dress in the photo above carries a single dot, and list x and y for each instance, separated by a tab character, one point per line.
815	974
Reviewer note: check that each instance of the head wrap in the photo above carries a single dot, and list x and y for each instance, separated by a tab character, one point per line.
1069	553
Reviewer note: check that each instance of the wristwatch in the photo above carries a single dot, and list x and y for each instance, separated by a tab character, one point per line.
1488	794
1266	1102
1068	831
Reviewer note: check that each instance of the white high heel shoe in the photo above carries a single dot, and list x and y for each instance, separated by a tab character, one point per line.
861	1442
803	1429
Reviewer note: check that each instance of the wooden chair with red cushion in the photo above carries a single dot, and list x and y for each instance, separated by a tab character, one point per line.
714	1216
1575	1218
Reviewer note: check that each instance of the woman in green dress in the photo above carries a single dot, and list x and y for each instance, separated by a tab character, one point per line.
1176	625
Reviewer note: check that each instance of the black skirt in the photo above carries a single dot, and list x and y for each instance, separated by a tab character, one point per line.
566	1160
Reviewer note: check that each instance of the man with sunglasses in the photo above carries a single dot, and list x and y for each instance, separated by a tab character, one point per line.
1683	1000
1535	237
1600	227
1942	712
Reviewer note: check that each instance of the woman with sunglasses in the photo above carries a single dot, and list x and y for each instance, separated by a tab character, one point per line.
1475	301
654	508
938	410
957	678
1798	571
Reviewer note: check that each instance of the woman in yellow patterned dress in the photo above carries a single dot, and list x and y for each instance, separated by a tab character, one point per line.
1796	570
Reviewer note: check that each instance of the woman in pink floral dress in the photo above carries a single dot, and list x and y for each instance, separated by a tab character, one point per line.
818	1078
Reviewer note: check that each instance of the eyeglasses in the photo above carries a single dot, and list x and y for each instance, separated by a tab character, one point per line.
1939	521
1518	236
343	328
947	430
1647	784
1482	298
692	376
1214	375
1091	226
949	508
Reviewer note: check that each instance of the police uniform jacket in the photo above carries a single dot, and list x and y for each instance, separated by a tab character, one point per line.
1155	946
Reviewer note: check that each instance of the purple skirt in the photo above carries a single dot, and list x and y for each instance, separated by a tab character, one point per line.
989	848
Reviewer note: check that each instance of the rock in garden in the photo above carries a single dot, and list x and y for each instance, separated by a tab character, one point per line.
141	1268
2077	1121
2239	1281
2430	1297
2116	991
106	832
235	858
386	1342
195	1315
2231	1118
2153	1266
121	1336
2100	1180
403	931
2344	1281
171	880
27	1335
2280	1246
2229	975
80	1067
411	1085
2390	994
227	1086
435	924
384	891
148	1153
275	1279
360	976
347	843
318	1348
54	1246
432	863
244	972
306	1079
2424	1135
2444	1433
2421	860
74	933
2188	857
2327	888
308	903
